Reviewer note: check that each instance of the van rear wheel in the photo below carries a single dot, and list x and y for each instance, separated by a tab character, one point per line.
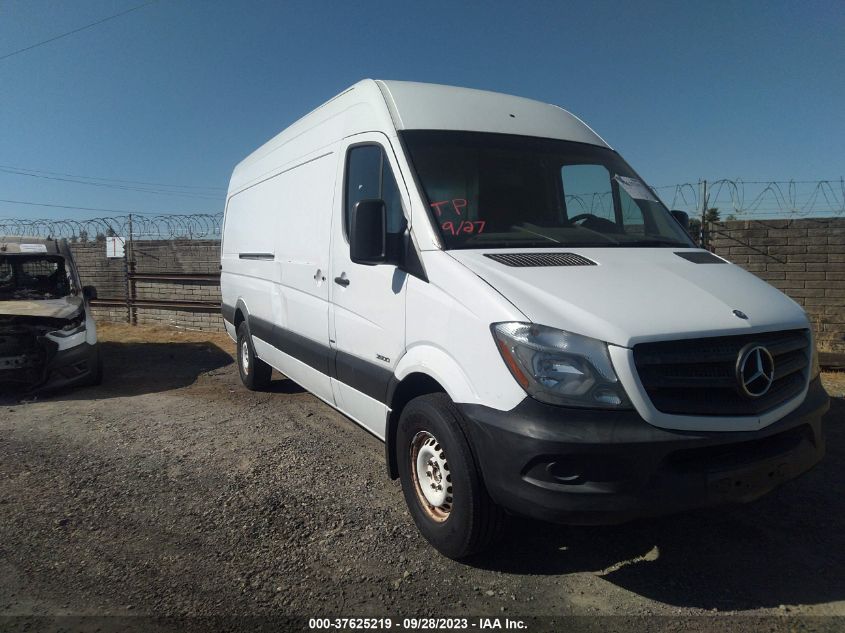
440	480
255	373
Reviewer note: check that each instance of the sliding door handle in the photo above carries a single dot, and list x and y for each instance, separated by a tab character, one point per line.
341	281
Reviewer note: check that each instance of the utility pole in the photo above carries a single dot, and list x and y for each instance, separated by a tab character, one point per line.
704	204
127	272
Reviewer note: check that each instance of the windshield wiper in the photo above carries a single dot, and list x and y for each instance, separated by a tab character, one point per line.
545	237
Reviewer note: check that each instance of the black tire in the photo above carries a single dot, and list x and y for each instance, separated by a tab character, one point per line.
472	521
255	373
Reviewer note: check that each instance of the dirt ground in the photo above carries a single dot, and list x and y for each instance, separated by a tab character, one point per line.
172	490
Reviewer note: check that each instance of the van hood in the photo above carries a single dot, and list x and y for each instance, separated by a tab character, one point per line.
633	295
63	308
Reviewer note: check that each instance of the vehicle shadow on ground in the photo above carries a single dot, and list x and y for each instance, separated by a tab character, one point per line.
281	384
786	548
132	369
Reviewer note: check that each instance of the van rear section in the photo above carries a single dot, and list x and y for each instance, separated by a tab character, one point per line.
483	283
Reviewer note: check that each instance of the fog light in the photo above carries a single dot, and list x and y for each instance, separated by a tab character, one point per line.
564	472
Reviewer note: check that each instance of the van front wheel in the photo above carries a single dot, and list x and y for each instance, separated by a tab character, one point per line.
255	373
440	480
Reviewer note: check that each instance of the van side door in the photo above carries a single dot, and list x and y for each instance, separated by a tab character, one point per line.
293	337
367	303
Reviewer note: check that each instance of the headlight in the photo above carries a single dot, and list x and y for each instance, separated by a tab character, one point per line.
73	327
560	367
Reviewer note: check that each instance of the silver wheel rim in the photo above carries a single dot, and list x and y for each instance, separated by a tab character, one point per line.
432	477
245	356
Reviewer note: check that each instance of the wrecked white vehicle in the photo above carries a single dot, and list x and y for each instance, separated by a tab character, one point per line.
48	338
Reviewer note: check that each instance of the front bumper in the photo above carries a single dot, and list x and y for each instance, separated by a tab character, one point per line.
73	366
592	467
51	368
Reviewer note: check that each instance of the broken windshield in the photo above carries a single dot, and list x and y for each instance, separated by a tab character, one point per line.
38	277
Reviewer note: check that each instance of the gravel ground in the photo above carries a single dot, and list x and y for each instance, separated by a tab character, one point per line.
172	490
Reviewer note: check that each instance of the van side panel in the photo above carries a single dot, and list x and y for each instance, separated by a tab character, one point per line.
245	213
247	268
284	284
305	195
449	338
361	109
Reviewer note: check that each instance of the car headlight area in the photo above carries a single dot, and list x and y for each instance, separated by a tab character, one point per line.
559	367
71	334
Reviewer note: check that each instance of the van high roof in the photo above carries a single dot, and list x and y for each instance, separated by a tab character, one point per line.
390	106
419	106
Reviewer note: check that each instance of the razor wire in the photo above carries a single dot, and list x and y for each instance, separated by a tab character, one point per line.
194	226
738	198
734	198
760	199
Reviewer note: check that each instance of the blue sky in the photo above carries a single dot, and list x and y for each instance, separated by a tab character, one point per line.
180	91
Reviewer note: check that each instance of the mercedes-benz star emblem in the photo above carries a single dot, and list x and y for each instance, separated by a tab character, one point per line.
755	370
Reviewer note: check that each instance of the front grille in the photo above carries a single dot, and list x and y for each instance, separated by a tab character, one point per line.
698	376
540	259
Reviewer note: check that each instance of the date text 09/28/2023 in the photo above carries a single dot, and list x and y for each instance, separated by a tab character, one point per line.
415	624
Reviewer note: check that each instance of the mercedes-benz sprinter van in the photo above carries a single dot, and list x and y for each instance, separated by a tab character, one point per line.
483	283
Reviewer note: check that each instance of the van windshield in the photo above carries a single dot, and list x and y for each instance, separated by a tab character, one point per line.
33	277
489	190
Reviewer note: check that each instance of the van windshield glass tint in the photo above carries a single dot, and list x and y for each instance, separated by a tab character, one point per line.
25	277
498	191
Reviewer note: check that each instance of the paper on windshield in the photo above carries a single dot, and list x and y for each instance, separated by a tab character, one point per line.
635	188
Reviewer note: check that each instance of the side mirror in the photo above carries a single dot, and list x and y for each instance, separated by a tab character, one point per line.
368	232
89	292
682	217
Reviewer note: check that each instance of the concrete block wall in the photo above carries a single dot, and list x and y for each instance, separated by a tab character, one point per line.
95	269
155	257
201	319
108	276
184	256
110	314
190	319
178	290
804	258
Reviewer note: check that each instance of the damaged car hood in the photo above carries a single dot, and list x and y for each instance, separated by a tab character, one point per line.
63	308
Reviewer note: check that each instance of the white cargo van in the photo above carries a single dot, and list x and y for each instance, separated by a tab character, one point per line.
480	281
